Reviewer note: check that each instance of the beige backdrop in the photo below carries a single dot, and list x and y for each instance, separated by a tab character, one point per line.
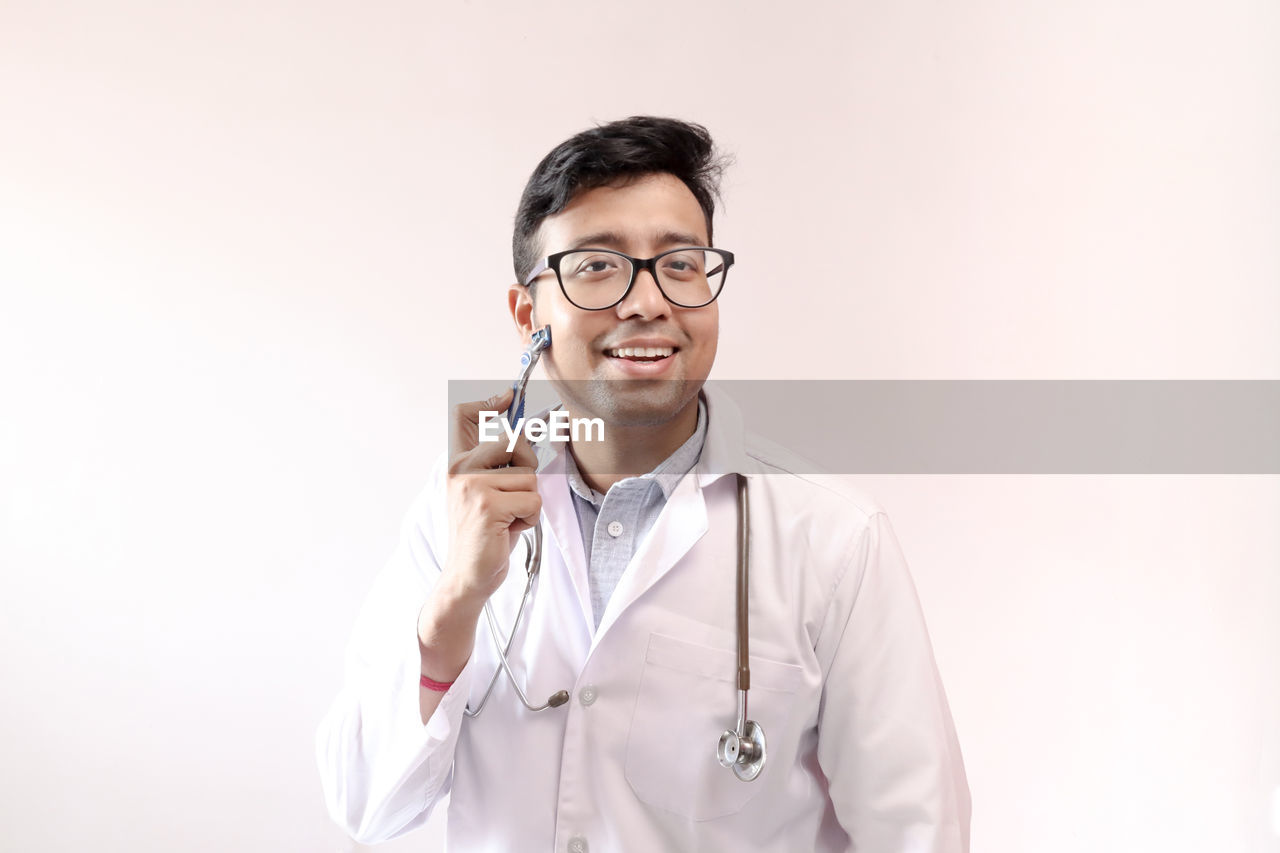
243	245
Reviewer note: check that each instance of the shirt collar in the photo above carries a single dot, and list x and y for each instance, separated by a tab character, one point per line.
668	473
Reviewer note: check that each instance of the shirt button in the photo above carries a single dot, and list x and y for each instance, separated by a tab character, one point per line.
577	844
615	529
586	696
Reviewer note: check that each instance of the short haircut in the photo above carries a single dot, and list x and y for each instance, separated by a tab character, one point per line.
610	155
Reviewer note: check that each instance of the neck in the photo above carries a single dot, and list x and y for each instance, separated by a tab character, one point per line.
631	451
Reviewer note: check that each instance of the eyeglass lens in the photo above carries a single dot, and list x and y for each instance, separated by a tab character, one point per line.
595	279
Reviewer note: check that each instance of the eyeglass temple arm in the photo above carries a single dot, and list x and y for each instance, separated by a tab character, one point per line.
541	267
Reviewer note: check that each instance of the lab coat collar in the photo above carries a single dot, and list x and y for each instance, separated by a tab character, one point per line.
562	524
683	519
725	451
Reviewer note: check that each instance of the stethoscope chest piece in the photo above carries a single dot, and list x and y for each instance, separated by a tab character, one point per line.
745	752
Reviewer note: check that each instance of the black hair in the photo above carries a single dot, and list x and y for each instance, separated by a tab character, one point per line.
612	154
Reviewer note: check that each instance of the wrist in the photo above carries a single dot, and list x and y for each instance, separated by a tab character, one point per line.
456	598
446	631
433	685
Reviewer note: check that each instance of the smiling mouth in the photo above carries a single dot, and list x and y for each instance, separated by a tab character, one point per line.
641	353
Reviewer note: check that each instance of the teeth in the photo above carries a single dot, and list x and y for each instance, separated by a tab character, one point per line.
641	352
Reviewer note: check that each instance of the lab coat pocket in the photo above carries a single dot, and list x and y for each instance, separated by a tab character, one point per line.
687	699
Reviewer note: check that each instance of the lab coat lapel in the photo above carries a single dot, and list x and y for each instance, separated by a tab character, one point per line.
682	522
562	528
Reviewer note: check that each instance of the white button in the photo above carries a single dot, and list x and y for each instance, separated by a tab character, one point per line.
588	694
577	844
615	528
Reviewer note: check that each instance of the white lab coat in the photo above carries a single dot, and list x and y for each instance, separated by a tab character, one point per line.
862	753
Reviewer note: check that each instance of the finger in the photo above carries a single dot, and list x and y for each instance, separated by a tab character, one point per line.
518	506
509	479
524	455
469	413
465	425
525	522
530	519
485	456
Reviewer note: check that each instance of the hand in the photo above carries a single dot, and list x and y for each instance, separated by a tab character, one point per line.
492	497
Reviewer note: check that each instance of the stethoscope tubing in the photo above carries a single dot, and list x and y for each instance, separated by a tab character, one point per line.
744	579
505	643
533	557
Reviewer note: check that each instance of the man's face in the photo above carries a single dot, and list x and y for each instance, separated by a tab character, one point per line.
641	219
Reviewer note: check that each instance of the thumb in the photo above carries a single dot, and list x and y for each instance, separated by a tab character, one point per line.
498	401
466	420
465	413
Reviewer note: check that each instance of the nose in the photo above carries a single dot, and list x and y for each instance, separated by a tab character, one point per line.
645	299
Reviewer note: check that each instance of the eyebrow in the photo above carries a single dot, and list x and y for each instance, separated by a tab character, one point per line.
612	239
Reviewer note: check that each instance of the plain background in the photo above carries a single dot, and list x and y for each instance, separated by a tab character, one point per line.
243	246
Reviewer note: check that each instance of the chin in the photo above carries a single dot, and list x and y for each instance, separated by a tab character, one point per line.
638	403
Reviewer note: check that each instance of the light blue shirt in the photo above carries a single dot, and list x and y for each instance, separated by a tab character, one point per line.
614	524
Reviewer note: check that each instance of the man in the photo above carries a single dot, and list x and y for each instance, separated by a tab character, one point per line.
633	613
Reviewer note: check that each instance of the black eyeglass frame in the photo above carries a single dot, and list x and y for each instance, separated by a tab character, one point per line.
552	262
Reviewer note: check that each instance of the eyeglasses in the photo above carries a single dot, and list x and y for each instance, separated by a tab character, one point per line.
596	279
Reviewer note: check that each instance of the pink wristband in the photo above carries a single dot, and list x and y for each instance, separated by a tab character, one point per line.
437	686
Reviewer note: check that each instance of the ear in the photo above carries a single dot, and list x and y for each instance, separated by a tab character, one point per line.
520	302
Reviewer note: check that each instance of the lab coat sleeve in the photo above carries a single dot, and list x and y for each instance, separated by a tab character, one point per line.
381	769
886	741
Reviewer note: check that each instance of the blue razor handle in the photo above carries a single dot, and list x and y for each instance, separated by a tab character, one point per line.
528	360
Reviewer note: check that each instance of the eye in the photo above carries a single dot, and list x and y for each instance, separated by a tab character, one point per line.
593	265
683	264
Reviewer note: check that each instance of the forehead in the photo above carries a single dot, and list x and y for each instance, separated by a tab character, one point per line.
642	214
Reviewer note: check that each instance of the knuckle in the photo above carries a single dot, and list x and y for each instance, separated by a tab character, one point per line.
463	487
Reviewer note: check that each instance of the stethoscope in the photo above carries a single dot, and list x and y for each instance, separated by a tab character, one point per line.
741	748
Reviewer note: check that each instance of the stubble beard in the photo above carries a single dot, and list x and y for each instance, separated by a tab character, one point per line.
628	403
